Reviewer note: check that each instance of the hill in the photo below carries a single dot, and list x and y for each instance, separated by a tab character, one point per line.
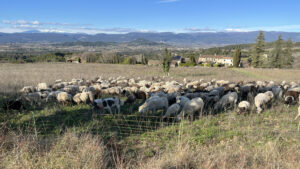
203	39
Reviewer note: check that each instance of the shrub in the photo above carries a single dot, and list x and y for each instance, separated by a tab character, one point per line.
208	65
189	64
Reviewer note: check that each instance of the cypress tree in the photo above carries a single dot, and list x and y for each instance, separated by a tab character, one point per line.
237	57
166	61
289	60
276	58
259	49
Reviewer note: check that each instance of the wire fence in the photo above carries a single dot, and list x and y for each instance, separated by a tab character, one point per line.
106	125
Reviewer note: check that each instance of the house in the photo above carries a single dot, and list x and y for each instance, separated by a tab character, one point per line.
154	62
216	59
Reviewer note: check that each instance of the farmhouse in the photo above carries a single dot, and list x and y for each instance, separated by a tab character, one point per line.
216	59
176	60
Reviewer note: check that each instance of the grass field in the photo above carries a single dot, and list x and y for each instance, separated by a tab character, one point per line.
57	136
15	76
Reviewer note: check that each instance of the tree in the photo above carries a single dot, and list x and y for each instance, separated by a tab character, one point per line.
276	58
237	57
193	59
144	60
166	61
289	60
259	49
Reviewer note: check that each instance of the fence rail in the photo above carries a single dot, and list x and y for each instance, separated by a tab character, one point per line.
120	125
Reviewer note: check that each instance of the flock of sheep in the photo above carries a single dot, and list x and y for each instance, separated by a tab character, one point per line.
188	98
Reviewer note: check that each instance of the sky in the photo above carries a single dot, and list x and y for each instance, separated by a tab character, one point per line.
123	16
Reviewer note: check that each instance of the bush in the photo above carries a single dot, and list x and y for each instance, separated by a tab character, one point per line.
187	64
218	65
129	61
208	65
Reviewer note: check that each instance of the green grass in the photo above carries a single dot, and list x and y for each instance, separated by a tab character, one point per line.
249	74
273	131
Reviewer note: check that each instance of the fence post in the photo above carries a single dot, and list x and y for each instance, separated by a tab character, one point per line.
34	125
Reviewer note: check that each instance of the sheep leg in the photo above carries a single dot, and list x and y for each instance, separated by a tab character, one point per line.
201	112
118	109
110	110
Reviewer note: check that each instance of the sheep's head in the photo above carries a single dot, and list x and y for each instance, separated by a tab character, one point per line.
143	108
289	99
269	95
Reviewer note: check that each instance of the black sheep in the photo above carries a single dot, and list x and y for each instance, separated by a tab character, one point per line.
13	105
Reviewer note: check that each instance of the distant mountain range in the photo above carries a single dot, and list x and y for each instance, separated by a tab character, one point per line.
203	39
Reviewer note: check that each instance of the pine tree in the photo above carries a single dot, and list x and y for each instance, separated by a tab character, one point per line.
277	58
289	60
237	57
258	51
144	60
193	59
166	61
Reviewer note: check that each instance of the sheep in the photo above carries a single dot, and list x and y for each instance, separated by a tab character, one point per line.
181	100
173	110
57	86
108	104
191	107
32	98
76	98
84	97
13	105
71	89
262	99
42	87
278	92
291	96
154	103
243	106
228	99
64	97
27	89
52	96
247	91
130	98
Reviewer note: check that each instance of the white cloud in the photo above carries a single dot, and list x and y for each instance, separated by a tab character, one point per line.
52	31
236	30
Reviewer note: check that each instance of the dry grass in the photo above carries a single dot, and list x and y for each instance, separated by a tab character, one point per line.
69	151
15	76
269	140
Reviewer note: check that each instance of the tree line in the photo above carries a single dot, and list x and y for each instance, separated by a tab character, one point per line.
280	55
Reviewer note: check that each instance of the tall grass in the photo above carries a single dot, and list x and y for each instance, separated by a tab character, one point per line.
68	151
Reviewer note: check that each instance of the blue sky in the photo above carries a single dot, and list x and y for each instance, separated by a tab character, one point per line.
122	16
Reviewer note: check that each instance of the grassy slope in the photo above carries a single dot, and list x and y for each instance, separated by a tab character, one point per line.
270	139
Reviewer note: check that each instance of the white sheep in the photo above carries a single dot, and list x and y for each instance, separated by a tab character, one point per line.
262	99
57	86
191	107
173	110
64	97
243	106
42	87
154	103
27	89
